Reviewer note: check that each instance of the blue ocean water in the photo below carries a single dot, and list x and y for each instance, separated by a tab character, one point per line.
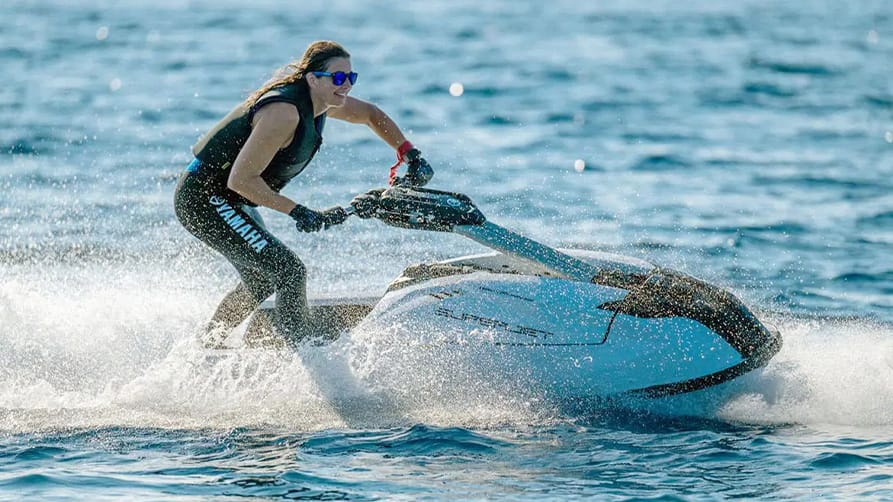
749	143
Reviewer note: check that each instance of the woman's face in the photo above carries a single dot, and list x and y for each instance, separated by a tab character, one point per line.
331	94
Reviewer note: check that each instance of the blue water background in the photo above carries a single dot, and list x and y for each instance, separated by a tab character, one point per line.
749	143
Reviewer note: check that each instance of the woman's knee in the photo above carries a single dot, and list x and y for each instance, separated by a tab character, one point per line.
286	264
256	283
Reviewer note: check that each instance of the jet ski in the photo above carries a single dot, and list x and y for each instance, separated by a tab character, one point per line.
578	323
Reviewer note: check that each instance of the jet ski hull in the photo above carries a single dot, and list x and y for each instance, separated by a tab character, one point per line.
495	317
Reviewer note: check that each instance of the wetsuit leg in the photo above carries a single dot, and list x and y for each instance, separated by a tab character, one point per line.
239	303
264	263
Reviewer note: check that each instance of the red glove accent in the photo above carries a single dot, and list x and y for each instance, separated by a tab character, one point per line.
401	151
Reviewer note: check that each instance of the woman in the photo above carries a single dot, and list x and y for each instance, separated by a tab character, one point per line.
249	156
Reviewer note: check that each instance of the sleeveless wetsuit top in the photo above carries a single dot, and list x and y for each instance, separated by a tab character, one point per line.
217	150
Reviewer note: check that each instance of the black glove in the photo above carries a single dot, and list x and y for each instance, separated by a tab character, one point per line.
366	204
308	220
418	172
333	216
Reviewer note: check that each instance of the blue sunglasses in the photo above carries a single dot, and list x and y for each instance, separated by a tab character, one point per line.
338	77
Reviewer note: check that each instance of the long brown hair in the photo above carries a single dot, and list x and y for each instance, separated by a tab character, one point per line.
315	58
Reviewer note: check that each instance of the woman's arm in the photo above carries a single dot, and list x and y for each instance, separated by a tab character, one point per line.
273	128
358	111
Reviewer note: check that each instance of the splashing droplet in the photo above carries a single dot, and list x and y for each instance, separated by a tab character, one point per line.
872	37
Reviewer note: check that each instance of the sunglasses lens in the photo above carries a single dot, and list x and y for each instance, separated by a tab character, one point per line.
339	77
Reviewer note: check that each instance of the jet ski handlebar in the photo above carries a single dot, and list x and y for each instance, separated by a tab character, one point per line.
425	209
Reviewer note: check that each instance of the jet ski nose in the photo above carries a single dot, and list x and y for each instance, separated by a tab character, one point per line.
670	294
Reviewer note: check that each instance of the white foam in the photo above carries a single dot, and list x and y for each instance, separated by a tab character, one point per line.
828	372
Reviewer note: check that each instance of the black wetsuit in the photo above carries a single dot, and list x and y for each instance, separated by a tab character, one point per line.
230	224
